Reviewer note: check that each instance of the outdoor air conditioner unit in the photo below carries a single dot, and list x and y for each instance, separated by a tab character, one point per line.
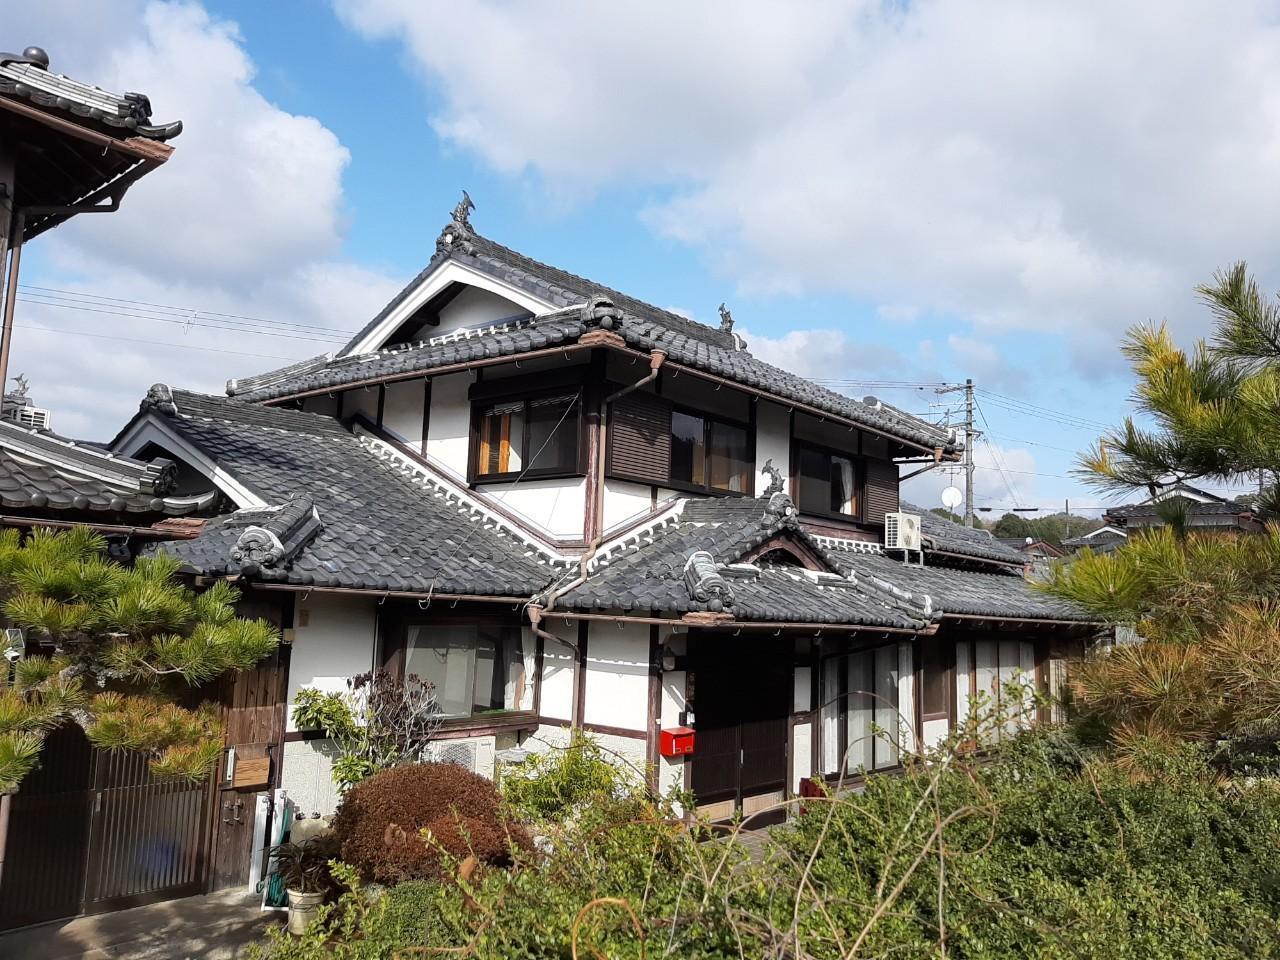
460	753
35	418
902	531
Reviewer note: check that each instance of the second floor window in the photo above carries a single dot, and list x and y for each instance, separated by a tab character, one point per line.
537	436
830	483
710	454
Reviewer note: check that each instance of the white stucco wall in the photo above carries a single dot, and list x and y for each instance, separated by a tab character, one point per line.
773	442
334	639
963	671
554	507
801	755
470	308
448	433
907	697
325	406
402	410
557	672
617	681
934	732
361	400
625	501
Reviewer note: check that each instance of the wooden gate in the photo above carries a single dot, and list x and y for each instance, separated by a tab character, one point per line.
741	700
92	830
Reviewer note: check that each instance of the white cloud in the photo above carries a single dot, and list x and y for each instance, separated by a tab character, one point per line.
246	218
1071	167
828	355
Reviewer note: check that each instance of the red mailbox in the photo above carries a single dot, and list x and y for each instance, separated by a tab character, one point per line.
676	741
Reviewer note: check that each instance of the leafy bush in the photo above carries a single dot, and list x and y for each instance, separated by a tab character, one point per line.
555	784
395	825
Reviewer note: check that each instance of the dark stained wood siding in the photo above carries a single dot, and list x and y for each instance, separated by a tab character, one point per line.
640	439
882	489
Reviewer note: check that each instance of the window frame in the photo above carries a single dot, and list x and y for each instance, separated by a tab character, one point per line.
393	657
841	704
747	426
525	398
859	460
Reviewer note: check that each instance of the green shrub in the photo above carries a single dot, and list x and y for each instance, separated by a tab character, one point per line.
555	784
395	825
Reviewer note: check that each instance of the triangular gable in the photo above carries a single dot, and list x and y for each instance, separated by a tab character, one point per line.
792	547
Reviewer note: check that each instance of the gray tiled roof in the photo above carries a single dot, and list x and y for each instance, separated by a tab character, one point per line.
642	325
943	536
25	79
977	593
40	470
376	529
1226	508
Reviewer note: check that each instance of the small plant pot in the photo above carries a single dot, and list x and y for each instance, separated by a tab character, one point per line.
303	908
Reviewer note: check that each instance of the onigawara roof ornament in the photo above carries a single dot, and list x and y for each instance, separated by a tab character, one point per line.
705	583
458	230
22	386
726	319
776	482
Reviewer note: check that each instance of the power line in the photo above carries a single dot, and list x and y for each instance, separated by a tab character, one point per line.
154	343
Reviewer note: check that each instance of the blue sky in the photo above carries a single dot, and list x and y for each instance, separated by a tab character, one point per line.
882	193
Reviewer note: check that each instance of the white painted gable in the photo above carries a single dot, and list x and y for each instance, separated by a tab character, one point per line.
486	300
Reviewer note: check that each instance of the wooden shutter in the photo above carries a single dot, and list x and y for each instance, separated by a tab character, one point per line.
640	439
882	490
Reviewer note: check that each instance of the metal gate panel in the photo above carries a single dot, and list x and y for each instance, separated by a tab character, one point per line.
148	834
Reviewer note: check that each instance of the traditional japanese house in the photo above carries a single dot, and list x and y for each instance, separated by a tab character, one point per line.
568	508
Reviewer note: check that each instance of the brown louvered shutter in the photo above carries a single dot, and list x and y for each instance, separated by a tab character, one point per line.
882	490
640	439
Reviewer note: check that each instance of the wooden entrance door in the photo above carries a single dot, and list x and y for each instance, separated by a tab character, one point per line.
742	693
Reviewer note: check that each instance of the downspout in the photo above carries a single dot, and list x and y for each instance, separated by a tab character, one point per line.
538	610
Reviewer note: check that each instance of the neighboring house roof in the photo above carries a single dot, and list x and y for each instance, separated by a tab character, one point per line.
1025	546
342	515
1194	508
42	471
947	537
642	326
26	76
1106	537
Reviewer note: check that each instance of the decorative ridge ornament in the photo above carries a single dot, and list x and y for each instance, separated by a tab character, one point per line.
277	539
780	505
726	320
160	398
776	482
457	233
705	583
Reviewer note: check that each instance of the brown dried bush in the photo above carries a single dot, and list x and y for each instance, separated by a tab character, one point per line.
381	819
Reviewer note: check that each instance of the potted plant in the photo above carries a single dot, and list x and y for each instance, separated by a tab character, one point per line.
304	870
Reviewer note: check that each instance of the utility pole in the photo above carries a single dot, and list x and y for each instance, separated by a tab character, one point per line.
970	435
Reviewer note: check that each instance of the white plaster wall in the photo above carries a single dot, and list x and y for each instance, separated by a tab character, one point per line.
473	307
449	432
963	672
557	673
547	737
773	441
334	639
361	400
556	507
625	501
402	410
306	776
617	681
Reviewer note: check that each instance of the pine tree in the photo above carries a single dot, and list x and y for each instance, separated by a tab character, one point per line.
1206	605
127	649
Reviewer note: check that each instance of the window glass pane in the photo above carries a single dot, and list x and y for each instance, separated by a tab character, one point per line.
815	481
444	656
501	438
729	467
861	707
688	449
844	489
886	709
553	434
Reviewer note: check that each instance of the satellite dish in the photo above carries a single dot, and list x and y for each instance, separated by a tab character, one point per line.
951	497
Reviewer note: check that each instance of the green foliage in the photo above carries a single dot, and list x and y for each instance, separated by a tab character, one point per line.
380	721
124	633
1053	528
557	784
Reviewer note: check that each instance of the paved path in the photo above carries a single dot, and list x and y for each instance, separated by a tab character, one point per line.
216	927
